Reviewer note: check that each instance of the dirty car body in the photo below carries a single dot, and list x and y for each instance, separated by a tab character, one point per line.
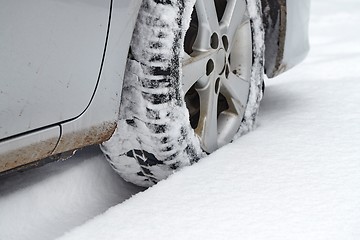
62	65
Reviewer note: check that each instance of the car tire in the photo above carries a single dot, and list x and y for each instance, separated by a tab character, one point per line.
191	85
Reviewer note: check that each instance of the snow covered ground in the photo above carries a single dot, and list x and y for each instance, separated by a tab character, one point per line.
297	176
44	203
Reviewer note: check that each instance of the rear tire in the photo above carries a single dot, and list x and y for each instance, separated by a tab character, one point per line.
155	137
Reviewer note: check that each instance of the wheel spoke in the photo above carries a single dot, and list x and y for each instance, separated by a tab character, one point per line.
194	68
237	89
208	24
207	126
241	52
233	18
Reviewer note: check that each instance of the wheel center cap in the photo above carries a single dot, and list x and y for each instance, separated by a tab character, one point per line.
220	61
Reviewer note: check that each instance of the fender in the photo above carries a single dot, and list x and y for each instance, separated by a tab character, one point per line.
98	121
286	34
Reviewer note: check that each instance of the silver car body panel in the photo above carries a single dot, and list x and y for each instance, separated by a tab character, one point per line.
297	37
48	49
94	121
98	122
26	148
286	35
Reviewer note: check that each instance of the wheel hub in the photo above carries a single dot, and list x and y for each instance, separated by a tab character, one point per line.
216	70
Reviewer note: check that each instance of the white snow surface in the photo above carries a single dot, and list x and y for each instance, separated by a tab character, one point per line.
297	176
44	203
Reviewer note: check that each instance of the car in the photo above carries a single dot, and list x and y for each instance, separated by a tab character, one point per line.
158	83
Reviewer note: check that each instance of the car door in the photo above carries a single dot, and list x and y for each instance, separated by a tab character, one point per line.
51	53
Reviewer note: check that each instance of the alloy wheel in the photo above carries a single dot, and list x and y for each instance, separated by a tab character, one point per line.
216	69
